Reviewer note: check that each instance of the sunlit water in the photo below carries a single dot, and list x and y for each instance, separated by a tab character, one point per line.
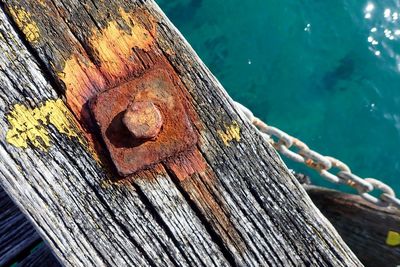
327	72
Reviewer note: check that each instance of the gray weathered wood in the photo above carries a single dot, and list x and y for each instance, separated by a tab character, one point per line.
232	201
363	226
85	220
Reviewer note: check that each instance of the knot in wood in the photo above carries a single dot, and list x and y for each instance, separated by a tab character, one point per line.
143	120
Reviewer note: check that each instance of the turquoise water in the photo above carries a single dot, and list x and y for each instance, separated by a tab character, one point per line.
327	72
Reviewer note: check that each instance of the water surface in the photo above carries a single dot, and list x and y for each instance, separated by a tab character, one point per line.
327	72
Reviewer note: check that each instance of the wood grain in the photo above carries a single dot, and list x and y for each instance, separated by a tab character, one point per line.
86	219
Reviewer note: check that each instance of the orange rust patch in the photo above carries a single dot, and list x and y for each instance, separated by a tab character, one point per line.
198	181
200	189
187	164
82	80
113	48
123	49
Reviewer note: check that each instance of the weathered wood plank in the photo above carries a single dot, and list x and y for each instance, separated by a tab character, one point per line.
363	226
229	201
85	219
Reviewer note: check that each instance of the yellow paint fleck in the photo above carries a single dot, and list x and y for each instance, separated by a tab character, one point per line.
232	132
106	184
26	24
29	126
138	36
41	2
393	238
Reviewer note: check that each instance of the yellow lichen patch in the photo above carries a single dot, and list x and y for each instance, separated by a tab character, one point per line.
25	128
232	132
114	44
42	2
29	126
393	238
26	24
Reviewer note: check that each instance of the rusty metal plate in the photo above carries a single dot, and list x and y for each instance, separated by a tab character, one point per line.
128	153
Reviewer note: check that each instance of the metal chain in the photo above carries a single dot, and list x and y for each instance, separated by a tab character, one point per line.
298	151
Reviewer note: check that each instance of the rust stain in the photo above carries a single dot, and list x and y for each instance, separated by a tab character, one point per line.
114	45
198	181
123	49
82	80
113	49
130	154
200	188
187	164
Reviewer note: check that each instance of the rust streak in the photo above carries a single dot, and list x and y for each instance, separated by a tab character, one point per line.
200	188
114	51
187	164
125	49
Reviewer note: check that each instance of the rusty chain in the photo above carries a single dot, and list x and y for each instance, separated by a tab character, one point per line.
298	151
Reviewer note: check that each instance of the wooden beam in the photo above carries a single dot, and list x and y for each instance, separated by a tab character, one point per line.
228	201
65	191
363	226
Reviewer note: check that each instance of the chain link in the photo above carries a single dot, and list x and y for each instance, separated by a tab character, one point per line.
298	151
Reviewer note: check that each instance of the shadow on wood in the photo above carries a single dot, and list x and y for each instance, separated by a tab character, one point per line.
362	225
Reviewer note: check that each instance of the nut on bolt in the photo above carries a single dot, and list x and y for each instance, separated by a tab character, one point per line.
143	120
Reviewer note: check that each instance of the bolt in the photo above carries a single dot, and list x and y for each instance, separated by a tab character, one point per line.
143	120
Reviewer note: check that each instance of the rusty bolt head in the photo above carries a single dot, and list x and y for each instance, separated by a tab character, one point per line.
143	120
163	88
